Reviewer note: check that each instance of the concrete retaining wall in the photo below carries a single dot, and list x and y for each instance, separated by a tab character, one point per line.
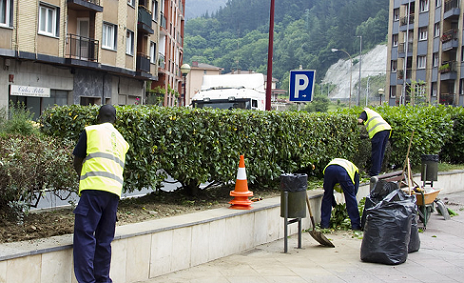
149	249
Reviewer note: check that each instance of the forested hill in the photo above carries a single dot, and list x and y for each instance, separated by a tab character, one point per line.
305	31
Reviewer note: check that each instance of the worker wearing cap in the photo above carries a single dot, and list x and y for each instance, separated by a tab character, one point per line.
343	172
99	158
379	132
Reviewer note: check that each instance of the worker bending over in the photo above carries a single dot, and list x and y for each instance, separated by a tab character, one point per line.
343	172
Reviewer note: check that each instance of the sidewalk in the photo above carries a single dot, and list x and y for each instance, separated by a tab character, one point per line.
440	259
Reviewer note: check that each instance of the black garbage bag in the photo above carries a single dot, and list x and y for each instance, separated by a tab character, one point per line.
381	189
387	230
414	241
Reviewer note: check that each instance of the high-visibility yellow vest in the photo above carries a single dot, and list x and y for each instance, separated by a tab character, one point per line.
375	123
103	166
350	168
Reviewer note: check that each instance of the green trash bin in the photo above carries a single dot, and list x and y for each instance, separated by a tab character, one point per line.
294	186
429	167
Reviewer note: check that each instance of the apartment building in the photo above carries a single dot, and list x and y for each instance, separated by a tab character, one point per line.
77	51
425	52
171	52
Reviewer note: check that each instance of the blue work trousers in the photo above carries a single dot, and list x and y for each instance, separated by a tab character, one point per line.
94	226
336	174
379	144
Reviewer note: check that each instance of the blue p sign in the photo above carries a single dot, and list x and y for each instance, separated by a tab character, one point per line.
302	85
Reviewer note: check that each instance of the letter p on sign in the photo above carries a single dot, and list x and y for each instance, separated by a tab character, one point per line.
302	85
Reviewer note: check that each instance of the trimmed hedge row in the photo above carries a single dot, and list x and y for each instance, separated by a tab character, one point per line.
196	146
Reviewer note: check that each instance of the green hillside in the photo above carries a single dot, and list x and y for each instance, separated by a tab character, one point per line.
305	31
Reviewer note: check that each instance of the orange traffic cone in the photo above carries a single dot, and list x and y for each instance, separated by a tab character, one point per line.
241	192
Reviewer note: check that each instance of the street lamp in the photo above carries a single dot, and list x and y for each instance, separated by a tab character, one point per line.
185	69
351	68
381	92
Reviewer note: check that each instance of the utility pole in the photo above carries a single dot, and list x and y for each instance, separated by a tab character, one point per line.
358	102
269	58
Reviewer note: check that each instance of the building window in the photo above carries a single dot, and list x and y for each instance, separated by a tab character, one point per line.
48	20
434	89
109	36
435	59
436	30
423	33
396	15
461	87
394	65
131	2
424	5
420	89
395	40
392	91
438	3
421	61
57	97
154	10
152	52
6	13
130	42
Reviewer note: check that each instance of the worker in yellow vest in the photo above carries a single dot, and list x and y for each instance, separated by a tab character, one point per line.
343	172
99	158
379	132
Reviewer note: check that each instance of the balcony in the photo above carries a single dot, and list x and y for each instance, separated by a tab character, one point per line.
447	98
448	35
448	71
404	20
451	9
85	5
402	49
82	48
144	20
142	63
400	75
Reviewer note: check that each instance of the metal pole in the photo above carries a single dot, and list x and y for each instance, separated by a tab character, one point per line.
185	82
269	57
367	91
351	69
358	102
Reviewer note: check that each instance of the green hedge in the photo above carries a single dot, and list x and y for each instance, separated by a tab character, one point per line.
196	146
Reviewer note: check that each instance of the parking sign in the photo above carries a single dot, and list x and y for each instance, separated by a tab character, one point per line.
302	85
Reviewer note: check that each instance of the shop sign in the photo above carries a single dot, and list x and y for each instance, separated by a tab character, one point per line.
19	90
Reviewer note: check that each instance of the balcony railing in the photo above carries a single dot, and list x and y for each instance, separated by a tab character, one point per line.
144	20
93	5
143	63
404	20
82	48
447	98
400	74
402	47
449	35
450	4
447	67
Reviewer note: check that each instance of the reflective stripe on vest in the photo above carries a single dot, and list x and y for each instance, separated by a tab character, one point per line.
350	168
103	166
375	123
